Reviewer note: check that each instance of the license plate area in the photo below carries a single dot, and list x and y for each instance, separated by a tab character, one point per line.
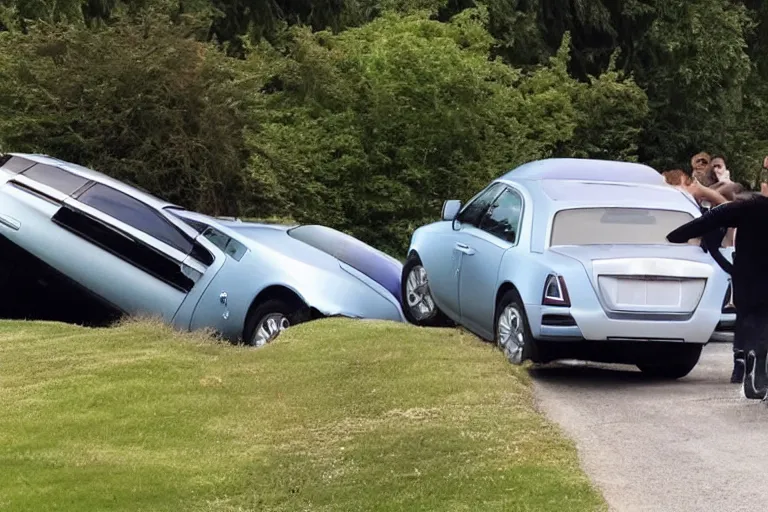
651	294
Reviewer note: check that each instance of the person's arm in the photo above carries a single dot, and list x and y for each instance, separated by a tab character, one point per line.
700	192
711	243
724	216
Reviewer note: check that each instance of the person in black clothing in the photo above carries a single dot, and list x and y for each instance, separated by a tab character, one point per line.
713	240
749	278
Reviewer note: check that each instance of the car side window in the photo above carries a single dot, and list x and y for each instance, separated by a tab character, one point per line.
149	260
227	244
216	237
136	214
503	217
474	211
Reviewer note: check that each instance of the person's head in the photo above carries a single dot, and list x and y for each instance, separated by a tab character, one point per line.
701	161
701	166
719	165
677	177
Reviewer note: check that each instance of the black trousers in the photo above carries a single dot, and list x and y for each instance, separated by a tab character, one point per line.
751	337
751	332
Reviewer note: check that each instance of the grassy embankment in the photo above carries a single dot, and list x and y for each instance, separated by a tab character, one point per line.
336	415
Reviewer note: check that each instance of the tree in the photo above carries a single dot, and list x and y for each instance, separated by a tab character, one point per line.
371	129
137	101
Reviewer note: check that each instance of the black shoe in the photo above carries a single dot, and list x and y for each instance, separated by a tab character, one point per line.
737	376
755	379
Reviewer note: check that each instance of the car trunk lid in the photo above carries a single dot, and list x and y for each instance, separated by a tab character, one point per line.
653	279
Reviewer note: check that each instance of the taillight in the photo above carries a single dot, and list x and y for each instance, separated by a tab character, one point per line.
728	305
555	292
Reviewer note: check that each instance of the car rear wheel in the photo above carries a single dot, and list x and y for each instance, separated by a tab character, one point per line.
513	334
266	321
418	304
675	366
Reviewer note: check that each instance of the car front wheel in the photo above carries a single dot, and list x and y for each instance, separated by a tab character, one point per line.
418	304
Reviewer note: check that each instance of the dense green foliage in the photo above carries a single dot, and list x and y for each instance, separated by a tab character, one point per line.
366	115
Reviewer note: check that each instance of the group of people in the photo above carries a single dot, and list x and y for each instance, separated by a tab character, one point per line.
709	180
731	209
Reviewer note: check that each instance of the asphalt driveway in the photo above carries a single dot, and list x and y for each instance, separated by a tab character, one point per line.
690	445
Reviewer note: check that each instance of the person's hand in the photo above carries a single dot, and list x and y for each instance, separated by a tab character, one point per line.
764	189
765	162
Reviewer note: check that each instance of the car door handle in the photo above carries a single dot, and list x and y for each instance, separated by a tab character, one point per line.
10	222
465	249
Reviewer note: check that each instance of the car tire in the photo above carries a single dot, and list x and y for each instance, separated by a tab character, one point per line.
676	366
412	298
275	316
510	311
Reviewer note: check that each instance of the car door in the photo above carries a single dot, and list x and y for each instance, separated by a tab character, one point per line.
444	274
484	246
224	303
135	257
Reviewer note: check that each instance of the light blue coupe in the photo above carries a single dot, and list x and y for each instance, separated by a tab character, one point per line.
75	243
568	258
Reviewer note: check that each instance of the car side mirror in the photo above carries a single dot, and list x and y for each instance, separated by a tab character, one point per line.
450	209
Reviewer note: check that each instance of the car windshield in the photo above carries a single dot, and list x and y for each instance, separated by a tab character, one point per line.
594	226
351	251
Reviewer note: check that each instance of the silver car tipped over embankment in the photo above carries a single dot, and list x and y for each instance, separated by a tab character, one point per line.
71	230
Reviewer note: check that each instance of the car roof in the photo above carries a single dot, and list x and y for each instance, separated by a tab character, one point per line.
555	195
95	176
611	193
562	183
585	169
559	184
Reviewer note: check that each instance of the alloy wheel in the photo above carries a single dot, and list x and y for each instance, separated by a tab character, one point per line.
418	297
269	328
510	333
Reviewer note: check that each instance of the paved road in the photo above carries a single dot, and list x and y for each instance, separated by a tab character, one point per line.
663	447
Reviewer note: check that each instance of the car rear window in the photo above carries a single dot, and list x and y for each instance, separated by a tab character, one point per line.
353	252
595	226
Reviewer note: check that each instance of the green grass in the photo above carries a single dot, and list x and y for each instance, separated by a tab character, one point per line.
336	415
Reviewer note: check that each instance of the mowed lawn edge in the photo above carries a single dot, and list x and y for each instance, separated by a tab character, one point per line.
337	414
